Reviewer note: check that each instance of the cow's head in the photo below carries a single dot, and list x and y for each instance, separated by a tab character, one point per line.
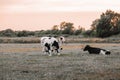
86	48
61	39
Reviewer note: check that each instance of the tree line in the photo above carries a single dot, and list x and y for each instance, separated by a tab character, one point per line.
54	32
108	24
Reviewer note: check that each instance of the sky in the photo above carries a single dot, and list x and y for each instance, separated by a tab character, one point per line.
44	14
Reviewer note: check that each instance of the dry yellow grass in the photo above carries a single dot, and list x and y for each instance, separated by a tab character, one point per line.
68	40
16	50
30	48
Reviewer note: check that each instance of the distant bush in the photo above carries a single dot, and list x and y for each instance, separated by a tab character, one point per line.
7	33
24	33
89	33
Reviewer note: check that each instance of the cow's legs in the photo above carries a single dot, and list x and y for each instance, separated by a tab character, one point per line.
50	53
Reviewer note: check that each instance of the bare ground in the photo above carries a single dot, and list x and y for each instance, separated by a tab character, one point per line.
27	62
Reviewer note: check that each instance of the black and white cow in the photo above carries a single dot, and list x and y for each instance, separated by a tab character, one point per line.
94	50
50	44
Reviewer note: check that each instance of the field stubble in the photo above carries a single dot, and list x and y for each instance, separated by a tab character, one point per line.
27	62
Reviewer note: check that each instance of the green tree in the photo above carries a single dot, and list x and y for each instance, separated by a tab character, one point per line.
67	28
103	27
55	30
55	27
107	25
94	24
79	30
62	25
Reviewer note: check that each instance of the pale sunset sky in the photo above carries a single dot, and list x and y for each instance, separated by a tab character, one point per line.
44	14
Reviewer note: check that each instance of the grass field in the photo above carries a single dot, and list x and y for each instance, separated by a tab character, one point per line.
27	62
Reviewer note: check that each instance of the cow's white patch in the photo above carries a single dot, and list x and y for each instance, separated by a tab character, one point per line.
102	52
58	54
50	53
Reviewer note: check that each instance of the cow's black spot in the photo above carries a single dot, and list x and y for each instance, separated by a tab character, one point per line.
47	45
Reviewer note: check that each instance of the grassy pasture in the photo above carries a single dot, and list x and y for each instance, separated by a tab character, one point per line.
27	62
